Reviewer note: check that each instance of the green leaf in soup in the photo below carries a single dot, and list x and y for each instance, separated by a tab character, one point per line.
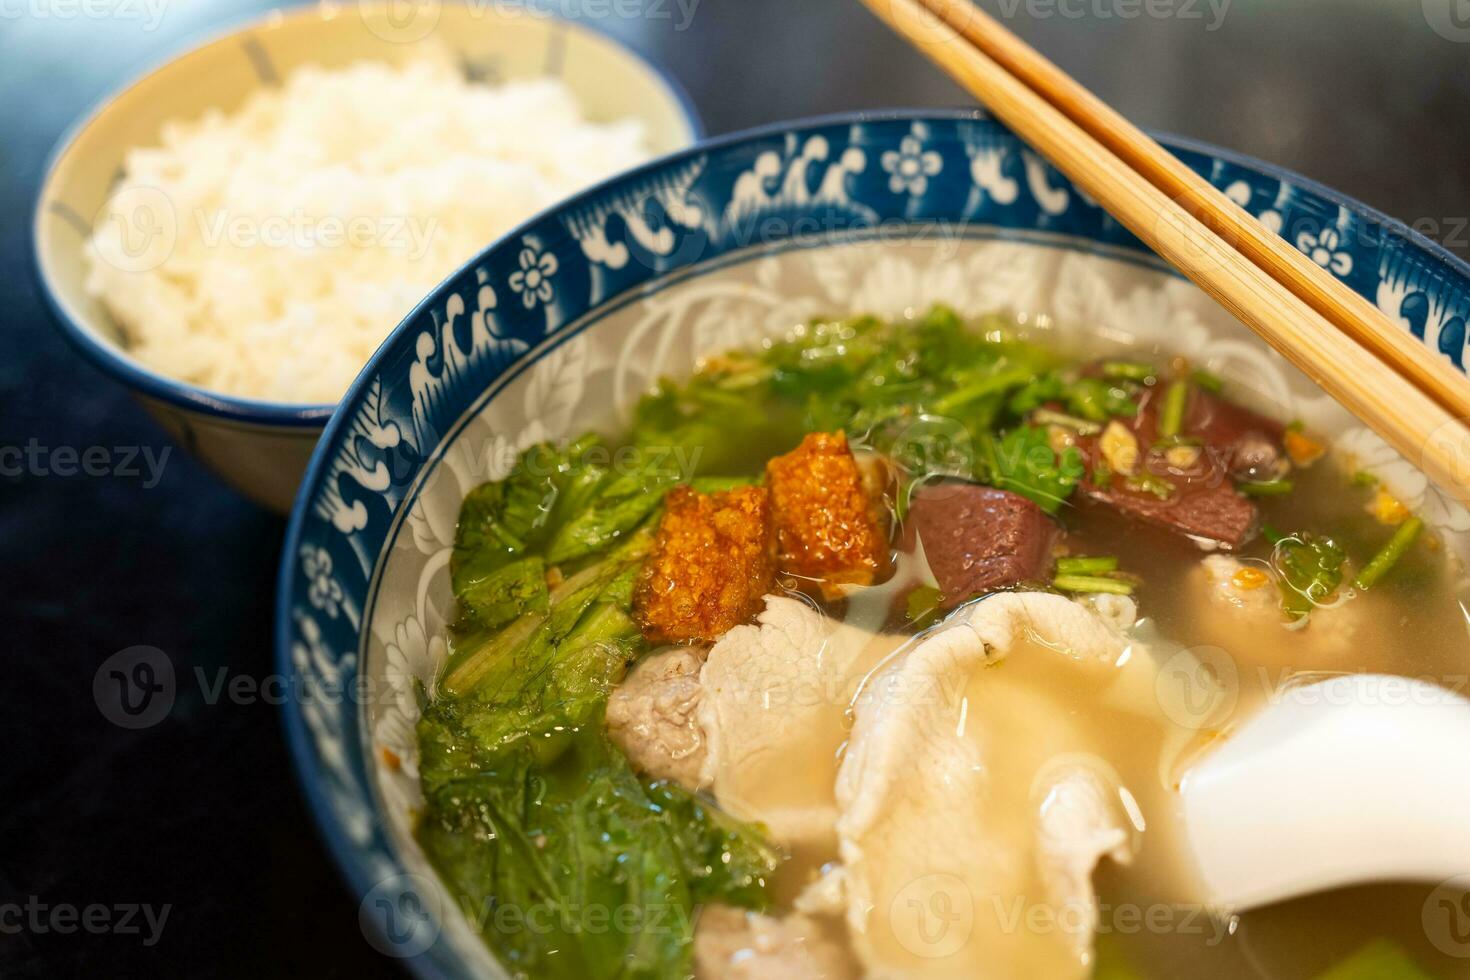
1097	400
724	860
567	871
504	519
701	441
1023	462
1309	569
496	596
547	675
1049	387
580	838
565	694
488	664
922	606
618	506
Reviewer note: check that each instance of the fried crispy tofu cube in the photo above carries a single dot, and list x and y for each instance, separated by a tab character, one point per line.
827	523
712	563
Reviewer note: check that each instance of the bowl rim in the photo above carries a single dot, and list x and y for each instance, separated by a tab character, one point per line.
351	866
239	409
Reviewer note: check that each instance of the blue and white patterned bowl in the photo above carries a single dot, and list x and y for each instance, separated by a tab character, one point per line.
560	326
262	447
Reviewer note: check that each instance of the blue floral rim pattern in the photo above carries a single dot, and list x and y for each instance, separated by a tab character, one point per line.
829	178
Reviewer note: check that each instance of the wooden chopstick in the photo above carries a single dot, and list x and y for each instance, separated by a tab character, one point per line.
1314	285
1424	430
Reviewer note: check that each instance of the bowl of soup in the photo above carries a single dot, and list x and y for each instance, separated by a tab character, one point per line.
826	552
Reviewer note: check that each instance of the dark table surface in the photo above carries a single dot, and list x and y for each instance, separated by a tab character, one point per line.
199	816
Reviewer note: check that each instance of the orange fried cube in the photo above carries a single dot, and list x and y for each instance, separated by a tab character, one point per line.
827	523
712	563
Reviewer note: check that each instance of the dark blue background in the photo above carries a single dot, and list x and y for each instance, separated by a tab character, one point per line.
201	812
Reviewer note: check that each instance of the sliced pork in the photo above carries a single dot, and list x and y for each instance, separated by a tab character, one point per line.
653	716
945	817
1079	822
1237	607
776	691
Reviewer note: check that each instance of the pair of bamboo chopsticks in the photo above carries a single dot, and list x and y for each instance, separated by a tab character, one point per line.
1381	374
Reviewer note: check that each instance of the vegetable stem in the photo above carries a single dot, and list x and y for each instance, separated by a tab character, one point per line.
1209	382
1086	566
1092	583
1003	381
1267	488
1128	371
1171	416
465	676
1384	561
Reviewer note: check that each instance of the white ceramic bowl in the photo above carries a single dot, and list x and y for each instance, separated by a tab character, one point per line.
262	447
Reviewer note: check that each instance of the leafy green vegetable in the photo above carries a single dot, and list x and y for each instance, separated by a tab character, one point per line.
1050	387
1379	960
616	506
578	869
1024	462
879	381
1094	400
503	524
568	864
490	664
1097	400
509	516
497	596
724	860
1309	568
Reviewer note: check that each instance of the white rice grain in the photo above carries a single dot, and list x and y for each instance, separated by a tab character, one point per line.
308	223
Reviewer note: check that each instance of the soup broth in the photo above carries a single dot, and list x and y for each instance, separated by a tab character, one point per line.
1064	437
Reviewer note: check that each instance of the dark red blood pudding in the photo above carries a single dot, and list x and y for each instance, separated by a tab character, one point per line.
979	539
1196	498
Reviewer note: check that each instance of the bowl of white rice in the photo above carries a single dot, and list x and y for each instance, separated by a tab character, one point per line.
235	233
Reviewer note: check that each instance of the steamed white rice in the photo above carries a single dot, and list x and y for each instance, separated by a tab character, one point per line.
267	253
